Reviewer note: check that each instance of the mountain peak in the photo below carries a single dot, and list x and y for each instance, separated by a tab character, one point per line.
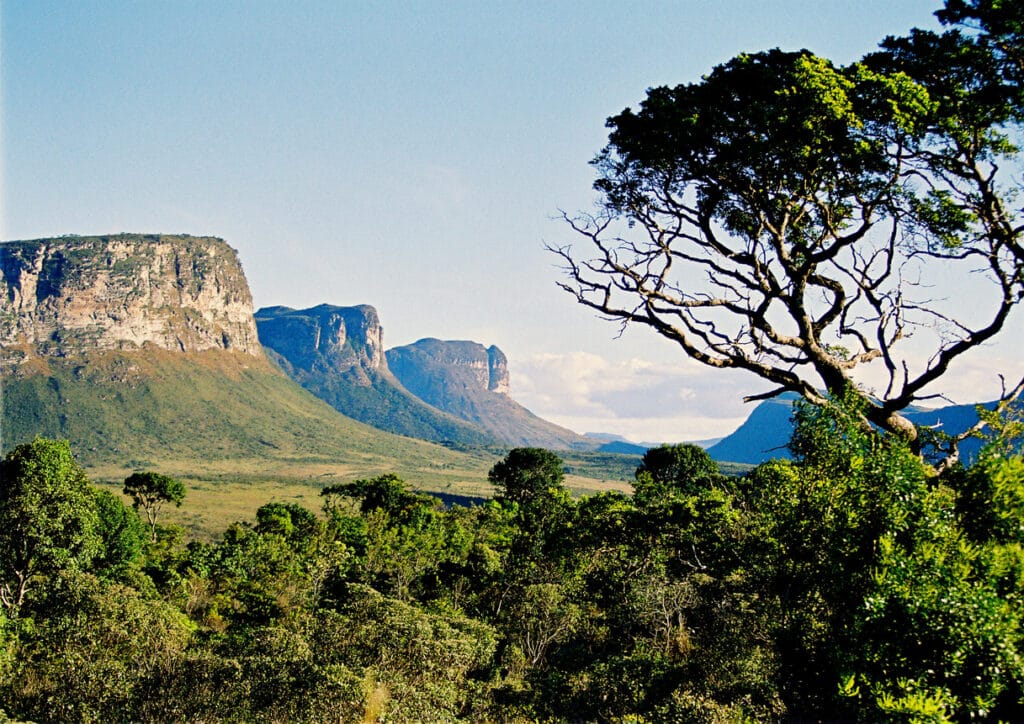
471	381
325	337
337	353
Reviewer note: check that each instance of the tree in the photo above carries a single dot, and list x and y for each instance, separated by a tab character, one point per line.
530	484
150	491
92	643
386	492
289	520
121	531
48	520
788	218
1000	26
682	468
527	475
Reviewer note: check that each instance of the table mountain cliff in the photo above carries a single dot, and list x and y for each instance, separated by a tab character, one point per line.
142	350
75	294
451	392
337	353
471	382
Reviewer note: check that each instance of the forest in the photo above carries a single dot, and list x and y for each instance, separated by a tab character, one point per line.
872	576
850	583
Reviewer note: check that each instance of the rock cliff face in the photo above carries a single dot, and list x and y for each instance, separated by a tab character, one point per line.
85	293
325	338
337	353
441	371
497	372
471	382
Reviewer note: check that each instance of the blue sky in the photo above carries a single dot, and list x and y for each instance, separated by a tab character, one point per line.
408	155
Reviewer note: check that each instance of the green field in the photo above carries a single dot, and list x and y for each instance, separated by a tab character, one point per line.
211	416
236	431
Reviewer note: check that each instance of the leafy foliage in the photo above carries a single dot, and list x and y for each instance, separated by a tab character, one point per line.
150	491
47	521
850	583
855	582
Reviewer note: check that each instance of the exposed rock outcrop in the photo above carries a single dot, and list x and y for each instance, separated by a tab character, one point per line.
84	293
325	338
497	372
337	353
471	382
440	372
143	352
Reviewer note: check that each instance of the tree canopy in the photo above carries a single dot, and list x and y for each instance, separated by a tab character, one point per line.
792	218
48	521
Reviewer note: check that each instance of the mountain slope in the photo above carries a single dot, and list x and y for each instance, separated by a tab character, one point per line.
142	351
205	414
337	354
765	434
471	382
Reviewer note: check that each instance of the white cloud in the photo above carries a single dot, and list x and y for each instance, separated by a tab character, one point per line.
638	399
670	401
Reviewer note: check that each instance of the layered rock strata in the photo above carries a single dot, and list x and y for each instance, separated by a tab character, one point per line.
85	293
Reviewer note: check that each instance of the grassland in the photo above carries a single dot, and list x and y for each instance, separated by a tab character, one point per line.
237	431
218	417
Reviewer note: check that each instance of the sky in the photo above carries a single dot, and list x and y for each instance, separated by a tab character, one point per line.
413	156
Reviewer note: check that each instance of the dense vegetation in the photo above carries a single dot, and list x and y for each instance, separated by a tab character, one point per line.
856	581
850	583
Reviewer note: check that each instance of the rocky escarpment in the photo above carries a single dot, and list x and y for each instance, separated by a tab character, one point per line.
337	353
441	371
326	338
471	382
85	293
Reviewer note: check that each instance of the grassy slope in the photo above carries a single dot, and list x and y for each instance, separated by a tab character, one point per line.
211	416
237	432
379	401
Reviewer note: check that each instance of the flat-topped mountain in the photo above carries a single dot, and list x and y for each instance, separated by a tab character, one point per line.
87	293
325	338
337	353
142	351
466	366
471	382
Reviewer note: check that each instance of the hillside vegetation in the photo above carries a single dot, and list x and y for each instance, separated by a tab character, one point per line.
849	584
211	416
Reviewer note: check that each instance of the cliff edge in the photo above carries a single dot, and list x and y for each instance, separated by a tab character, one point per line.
75	294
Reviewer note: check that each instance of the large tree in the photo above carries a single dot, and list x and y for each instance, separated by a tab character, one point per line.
793	219
48	519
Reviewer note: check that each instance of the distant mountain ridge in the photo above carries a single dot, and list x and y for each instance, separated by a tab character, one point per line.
337	353
766	432
455	392
471	381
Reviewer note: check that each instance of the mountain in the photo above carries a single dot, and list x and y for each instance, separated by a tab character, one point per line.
763	436
766	432
77	294
610	442
143	352
471	382
337	353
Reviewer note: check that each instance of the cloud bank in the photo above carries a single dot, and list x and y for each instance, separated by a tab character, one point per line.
641	400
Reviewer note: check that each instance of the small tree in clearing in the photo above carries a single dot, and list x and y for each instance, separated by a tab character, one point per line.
150	491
